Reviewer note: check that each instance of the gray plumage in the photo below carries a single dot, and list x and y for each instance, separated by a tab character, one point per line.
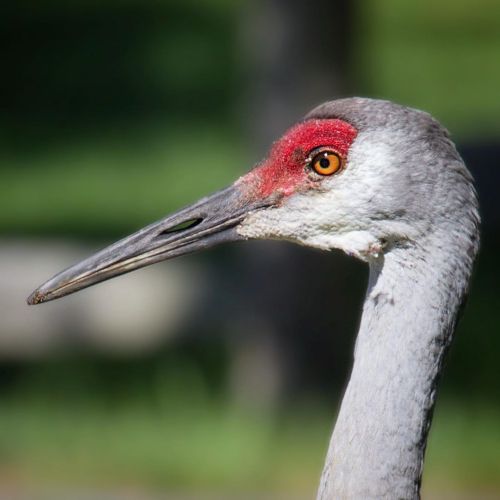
416	288
404	203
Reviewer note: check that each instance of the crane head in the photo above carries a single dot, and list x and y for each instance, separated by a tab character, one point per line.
351	175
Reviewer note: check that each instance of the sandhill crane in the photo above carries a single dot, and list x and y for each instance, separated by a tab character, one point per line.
385	184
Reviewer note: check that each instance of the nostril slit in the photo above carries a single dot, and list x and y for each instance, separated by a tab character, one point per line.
182	226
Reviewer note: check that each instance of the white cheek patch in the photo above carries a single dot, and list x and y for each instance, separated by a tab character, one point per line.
269	223
357	243
341	213
368	164
360	244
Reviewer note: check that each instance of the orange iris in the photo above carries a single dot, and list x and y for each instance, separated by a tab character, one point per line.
326	163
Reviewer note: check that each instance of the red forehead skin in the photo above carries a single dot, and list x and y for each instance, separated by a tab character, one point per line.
283	171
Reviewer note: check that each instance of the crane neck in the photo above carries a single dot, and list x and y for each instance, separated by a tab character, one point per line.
409	314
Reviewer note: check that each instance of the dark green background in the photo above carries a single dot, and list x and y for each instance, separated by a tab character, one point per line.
113	114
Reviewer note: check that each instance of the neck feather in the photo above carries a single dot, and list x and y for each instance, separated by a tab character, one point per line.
409	315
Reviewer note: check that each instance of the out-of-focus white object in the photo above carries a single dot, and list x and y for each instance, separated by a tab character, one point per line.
134	312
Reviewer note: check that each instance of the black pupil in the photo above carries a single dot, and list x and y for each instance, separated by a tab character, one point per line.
324	163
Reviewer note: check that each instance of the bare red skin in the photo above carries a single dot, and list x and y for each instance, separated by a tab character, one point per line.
284	171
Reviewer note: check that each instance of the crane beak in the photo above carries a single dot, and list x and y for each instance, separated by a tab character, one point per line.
208	222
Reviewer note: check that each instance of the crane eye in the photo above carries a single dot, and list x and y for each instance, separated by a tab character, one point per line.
326	163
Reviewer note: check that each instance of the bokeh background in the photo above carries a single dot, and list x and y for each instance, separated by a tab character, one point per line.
217	375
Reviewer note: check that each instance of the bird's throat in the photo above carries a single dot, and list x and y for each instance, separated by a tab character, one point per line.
409	314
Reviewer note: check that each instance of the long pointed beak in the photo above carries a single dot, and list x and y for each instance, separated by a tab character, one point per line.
208	222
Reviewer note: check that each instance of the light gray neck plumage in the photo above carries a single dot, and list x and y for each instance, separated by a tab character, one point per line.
409	315
417	286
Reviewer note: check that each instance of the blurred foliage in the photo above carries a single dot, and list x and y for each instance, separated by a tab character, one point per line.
439	56
179	437
472	368
116	112
73	68
117	183
113	112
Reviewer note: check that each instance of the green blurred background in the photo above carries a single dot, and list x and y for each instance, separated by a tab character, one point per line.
218	375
